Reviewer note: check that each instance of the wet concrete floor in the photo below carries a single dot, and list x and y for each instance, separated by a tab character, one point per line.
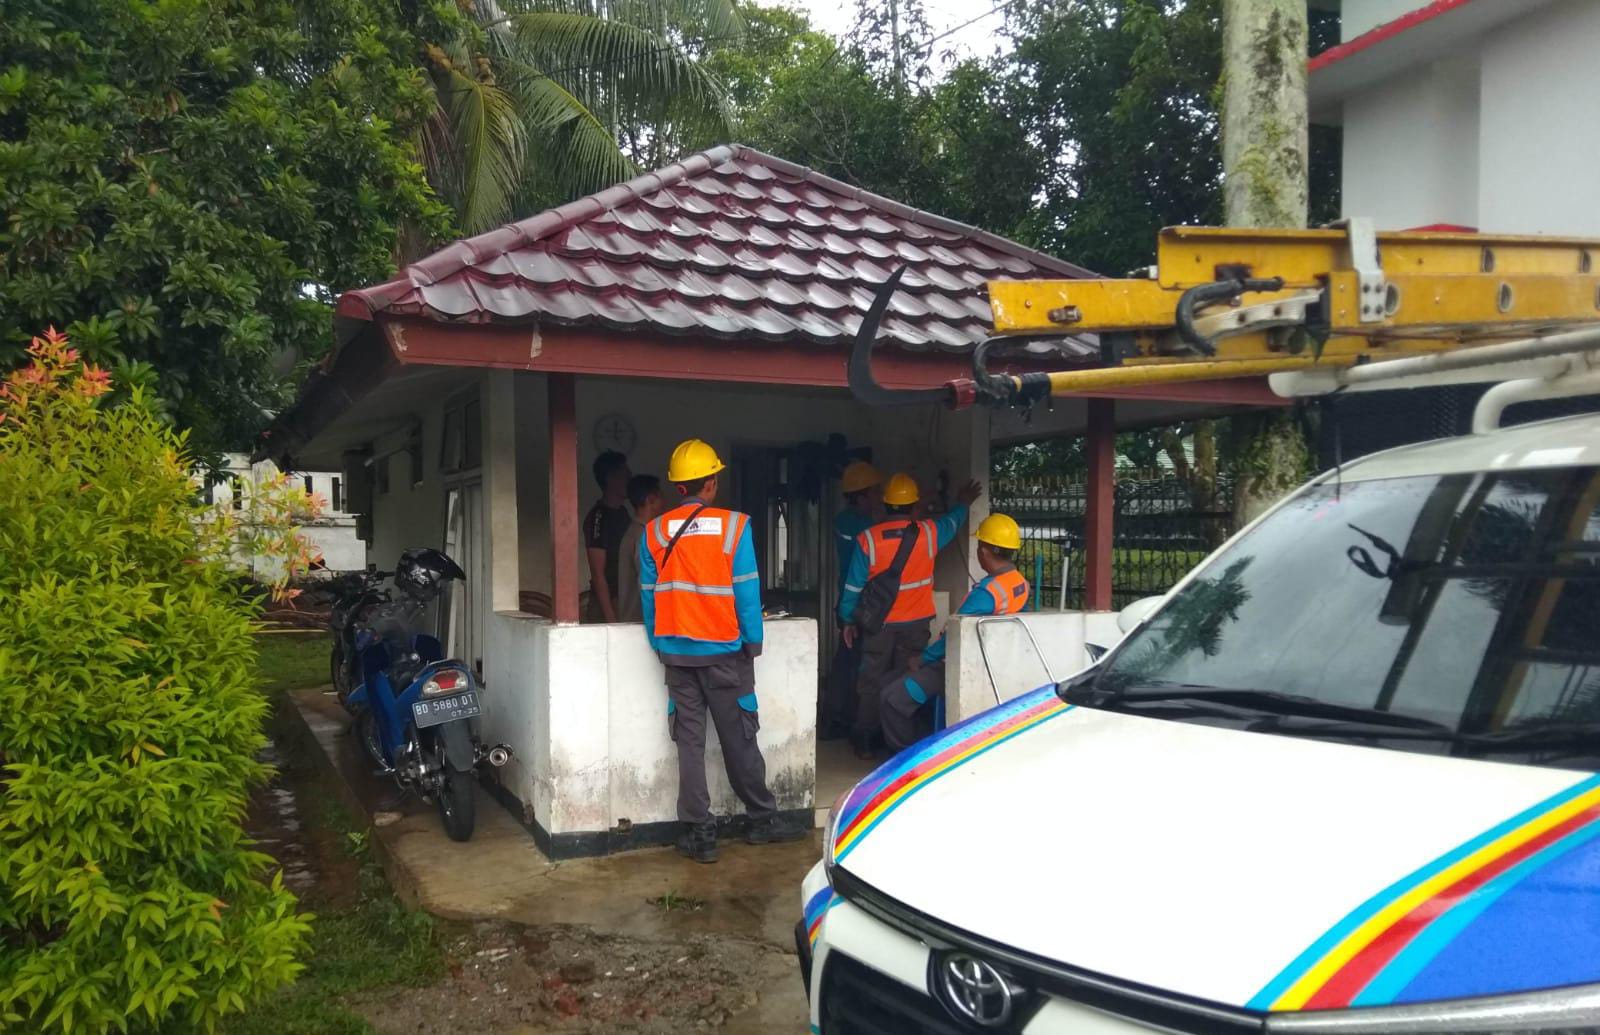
751	893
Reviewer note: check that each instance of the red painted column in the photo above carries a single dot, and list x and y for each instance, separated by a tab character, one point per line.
1101	448
563	413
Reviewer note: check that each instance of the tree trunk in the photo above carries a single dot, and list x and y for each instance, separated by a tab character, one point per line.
1264	158
1264	135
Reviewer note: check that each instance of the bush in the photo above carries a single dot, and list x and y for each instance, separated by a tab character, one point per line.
129	724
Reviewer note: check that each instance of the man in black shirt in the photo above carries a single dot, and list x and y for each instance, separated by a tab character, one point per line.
603	528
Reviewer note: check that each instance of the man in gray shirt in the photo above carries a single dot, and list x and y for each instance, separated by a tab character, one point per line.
644	495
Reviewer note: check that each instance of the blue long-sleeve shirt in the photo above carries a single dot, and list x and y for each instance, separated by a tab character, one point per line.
980	601
855	580
746	603
847	524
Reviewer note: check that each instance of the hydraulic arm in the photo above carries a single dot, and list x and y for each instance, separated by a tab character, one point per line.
1223	303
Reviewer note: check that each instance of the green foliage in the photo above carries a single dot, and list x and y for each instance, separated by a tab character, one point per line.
1121	93
541	100
838	108
130	899
190	183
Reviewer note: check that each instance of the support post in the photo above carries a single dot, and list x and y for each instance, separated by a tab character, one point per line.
500	489
1102	453
563	415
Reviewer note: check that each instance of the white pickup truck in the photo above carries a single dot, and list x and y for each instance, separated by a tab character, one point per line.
1342	780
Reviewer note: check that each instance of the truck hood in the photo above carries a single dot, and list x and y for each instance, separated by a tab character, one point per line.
1246	869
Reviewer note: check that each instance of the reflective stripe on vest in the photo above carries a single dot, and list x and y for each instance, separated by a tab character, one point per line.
693	591
881	542
1009	590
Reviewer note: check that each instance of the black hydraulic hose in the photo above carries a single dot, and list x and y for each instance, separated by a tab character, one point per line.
1216	291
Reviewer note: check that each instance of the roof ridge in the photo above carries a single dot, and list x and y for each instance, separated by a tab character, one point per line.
904	211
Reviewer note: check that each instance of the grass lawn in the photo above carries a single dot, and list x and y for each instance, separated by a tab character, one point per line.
362	939
292	661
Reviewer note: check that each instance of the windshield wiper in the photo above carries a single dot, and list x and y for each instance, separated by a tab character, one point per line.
1300	726
1270	702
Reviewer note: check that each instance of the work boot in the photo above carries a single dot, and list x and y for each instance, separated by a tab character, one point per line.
699	843
861	742
770	829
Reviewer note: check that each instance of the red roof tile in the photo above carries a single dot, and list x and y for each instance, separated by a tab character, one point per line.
729	243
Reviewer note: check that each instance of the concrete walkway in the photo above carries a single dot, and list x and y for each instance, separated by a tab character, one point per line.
752	893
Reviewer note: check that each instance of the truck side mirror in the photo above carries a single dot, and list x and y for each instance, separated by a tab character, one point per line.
1137	612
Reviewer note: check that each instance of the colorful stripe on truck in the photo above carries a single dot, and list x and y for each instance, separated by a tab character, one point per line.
816	909
921	764
1515	908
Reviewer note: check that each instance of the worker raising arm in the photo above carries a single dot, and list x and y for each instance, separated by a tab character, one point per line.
896	554
907	698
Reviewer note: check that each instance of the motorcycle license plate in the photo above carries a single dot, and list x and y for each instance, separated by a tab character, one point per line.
431	711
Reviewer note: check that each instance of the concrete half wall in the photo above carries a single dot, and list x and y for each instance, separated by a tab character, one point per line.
1016	662
584	709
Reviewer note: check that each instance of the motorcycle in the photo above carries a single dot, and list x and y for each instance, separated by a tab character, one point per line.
356	595
413	707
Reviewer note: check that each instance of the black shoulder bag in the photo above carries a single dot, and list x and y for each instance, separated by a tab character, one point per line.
883	589
666	555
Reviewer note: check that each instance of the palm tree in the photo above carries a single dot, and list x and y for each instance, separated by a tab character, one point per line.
534	97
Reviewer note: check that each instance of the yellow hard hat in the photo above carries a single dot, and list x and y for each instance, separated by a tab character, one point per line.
1000	530
857	476
901	491
693	460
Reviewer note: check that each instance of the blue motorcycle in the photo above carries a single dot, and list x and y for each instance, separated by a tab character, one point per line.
413	708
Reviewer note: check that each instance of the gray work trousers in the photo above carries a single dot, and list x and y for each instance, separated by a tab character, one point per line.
716	688
885	654
907	720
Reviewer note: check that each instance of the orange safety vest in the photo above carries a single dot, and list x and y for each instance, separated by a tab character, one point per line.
1010	592
694	589
880	543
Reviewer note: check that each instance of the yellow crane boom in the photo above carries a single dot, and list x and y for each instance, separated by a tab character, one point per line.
1223	303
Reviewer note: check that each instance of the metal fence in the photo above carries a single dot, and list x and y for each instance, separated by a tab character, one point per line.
1158	533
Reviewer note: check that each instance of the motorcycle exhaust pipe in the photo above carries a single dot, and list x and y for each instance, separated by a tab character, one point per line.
499	755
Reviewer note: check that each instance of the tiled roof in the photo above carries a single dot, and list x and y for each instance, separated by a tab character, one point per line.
729	243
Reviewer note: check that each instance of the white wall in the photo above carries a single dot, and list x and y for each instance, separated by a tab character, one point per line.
584	711
1017	664
332	534
1411	149
1503	135
1540	150
1358	16
409	514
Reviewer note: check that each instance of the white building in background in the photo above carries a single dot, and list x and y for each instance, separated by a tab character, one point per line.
333	532
1477	114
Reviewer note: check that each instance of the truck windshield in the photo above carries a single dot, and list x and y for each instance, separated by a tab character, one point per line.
1467	603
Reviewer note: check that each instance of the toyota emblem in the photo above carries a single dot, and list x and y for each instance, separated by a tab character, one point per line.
975	991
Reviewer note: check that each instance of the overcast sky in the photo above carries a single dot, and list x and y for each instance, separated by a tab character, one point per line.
975	40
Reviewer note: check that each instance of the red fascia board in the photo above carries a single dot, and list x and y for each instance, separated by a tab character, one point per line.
1386	31
597	354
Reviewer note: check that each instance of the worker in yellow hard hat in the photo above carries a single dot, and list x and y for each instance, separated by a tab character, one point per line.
887	604
700	596
906	699
859	484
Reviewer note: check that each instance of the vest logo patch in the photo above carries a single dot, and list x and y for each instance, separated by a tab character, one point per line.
1017	591
699	526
